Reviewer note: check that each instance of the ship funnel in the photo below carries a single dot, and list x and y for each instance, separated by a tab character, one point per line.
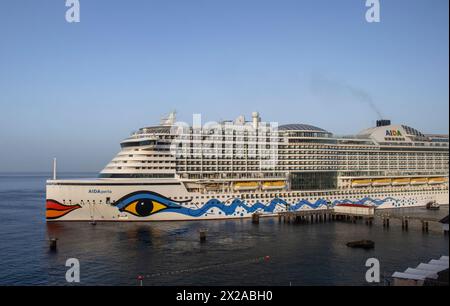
383	122
255	119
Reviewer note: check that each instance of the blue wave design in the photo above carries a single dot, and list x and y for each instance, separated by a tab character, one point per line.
365	201
270	208
228	209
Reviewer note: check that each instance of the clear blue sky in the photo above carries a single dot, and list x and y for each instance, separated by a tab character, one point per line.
75	90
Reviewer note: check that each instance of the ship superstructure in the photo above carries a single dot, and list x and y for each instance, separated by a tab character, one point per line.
232	169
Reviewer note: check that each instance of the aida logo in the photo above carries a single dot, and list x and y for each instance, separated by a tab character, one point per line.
99	191
393	133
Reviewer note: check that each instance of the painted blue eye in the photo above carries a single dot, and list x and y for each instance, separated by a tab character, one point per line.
145	203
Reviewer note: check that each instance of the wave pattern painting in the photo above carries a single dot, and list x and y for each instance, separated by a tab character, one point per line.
237	204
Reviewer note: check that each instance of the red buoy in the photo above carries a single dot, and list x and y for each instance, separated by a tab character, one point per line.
141	280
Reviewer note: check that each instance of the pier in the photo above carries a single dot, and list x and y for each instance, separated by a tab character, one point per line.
405	221
353	214
306	216
322	216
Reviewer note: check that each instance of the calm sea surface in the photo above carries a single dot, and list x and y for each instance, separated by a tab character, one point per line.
169	253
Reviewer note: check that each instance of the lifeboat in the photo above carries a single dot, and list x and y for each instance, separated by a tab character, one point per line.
212	187
401	181
273	185
361	183
245	185
436	180
381	182
418	181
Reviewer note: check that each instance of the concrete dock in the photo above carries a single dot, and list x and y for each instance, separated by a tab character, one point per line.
321	216
353	214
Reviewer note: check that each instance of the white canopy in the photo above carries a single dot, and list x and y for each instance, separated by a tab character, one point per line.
427	274
443	263
408	276
425	270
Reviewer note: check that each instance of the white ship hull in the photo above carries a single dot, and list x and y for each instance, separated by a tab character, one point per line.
114	200
234	169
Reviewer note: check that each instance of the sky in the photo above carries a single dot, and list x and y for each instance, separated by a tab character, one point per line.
75	90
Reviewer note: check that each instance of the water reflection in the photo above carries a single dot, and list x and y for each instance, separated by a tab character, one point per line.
115	253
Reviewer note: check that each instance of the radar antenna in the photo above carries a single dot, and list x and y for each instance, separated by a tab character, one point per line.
169	119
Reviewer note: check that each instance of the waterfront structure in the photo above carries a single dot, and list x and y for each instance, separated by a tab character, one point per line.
233	169
428	274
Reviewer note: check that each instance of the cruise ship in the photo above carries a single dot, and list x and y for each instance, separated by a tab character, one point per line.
233	169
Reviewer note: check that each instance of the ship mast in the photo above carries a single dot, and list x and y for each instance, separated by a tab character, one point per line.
169	119
54	168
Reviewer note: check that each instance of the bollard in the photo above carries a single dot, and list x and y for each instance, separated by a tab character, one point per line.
255	218
53	244
202	234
